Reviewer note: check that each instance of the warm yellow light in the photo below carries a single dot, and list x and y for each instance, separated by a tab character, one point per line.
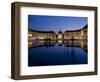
60	36
59	41
30	35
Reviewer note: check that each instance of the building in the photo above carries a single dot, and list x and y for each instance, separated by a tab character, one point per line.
29	34
60	35
84	33
43	35
80	34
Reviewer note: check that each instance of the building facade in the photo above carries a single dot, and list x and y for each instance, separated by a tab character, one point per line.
43	35
80	34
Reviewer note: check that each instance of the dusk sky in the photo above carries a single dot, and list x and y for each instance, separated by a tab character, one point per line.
56	23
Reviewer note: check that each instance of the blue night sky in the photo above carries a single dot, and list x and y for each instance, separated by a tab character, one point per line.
56	23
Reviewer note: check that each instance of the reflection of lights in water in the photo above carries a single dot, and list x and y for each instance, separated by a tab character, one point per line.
30	44
59	41
37	43
81	44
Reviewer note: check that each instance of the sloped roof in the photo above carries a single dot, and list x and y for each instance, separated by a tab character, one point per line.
40	31
85	27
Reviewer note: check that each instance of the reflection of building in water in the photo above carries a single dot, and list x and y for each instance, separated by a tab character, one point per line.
80	34
41	43
72	43
78	43
60	42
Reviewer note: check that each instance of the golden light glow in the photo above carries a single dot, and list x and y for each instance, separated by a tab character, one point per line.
60	36
59	41
30	35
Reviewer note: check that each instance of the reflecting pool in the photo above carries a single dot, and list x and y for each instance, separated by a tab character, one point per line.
47	53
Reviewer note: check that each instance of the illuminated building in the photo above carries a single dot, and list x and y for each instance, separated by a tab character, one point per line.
80	34
60	35
43	35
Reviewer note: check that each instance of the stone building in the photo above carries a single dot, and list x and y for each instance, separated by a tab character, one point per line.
80	34
43	35
60	36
